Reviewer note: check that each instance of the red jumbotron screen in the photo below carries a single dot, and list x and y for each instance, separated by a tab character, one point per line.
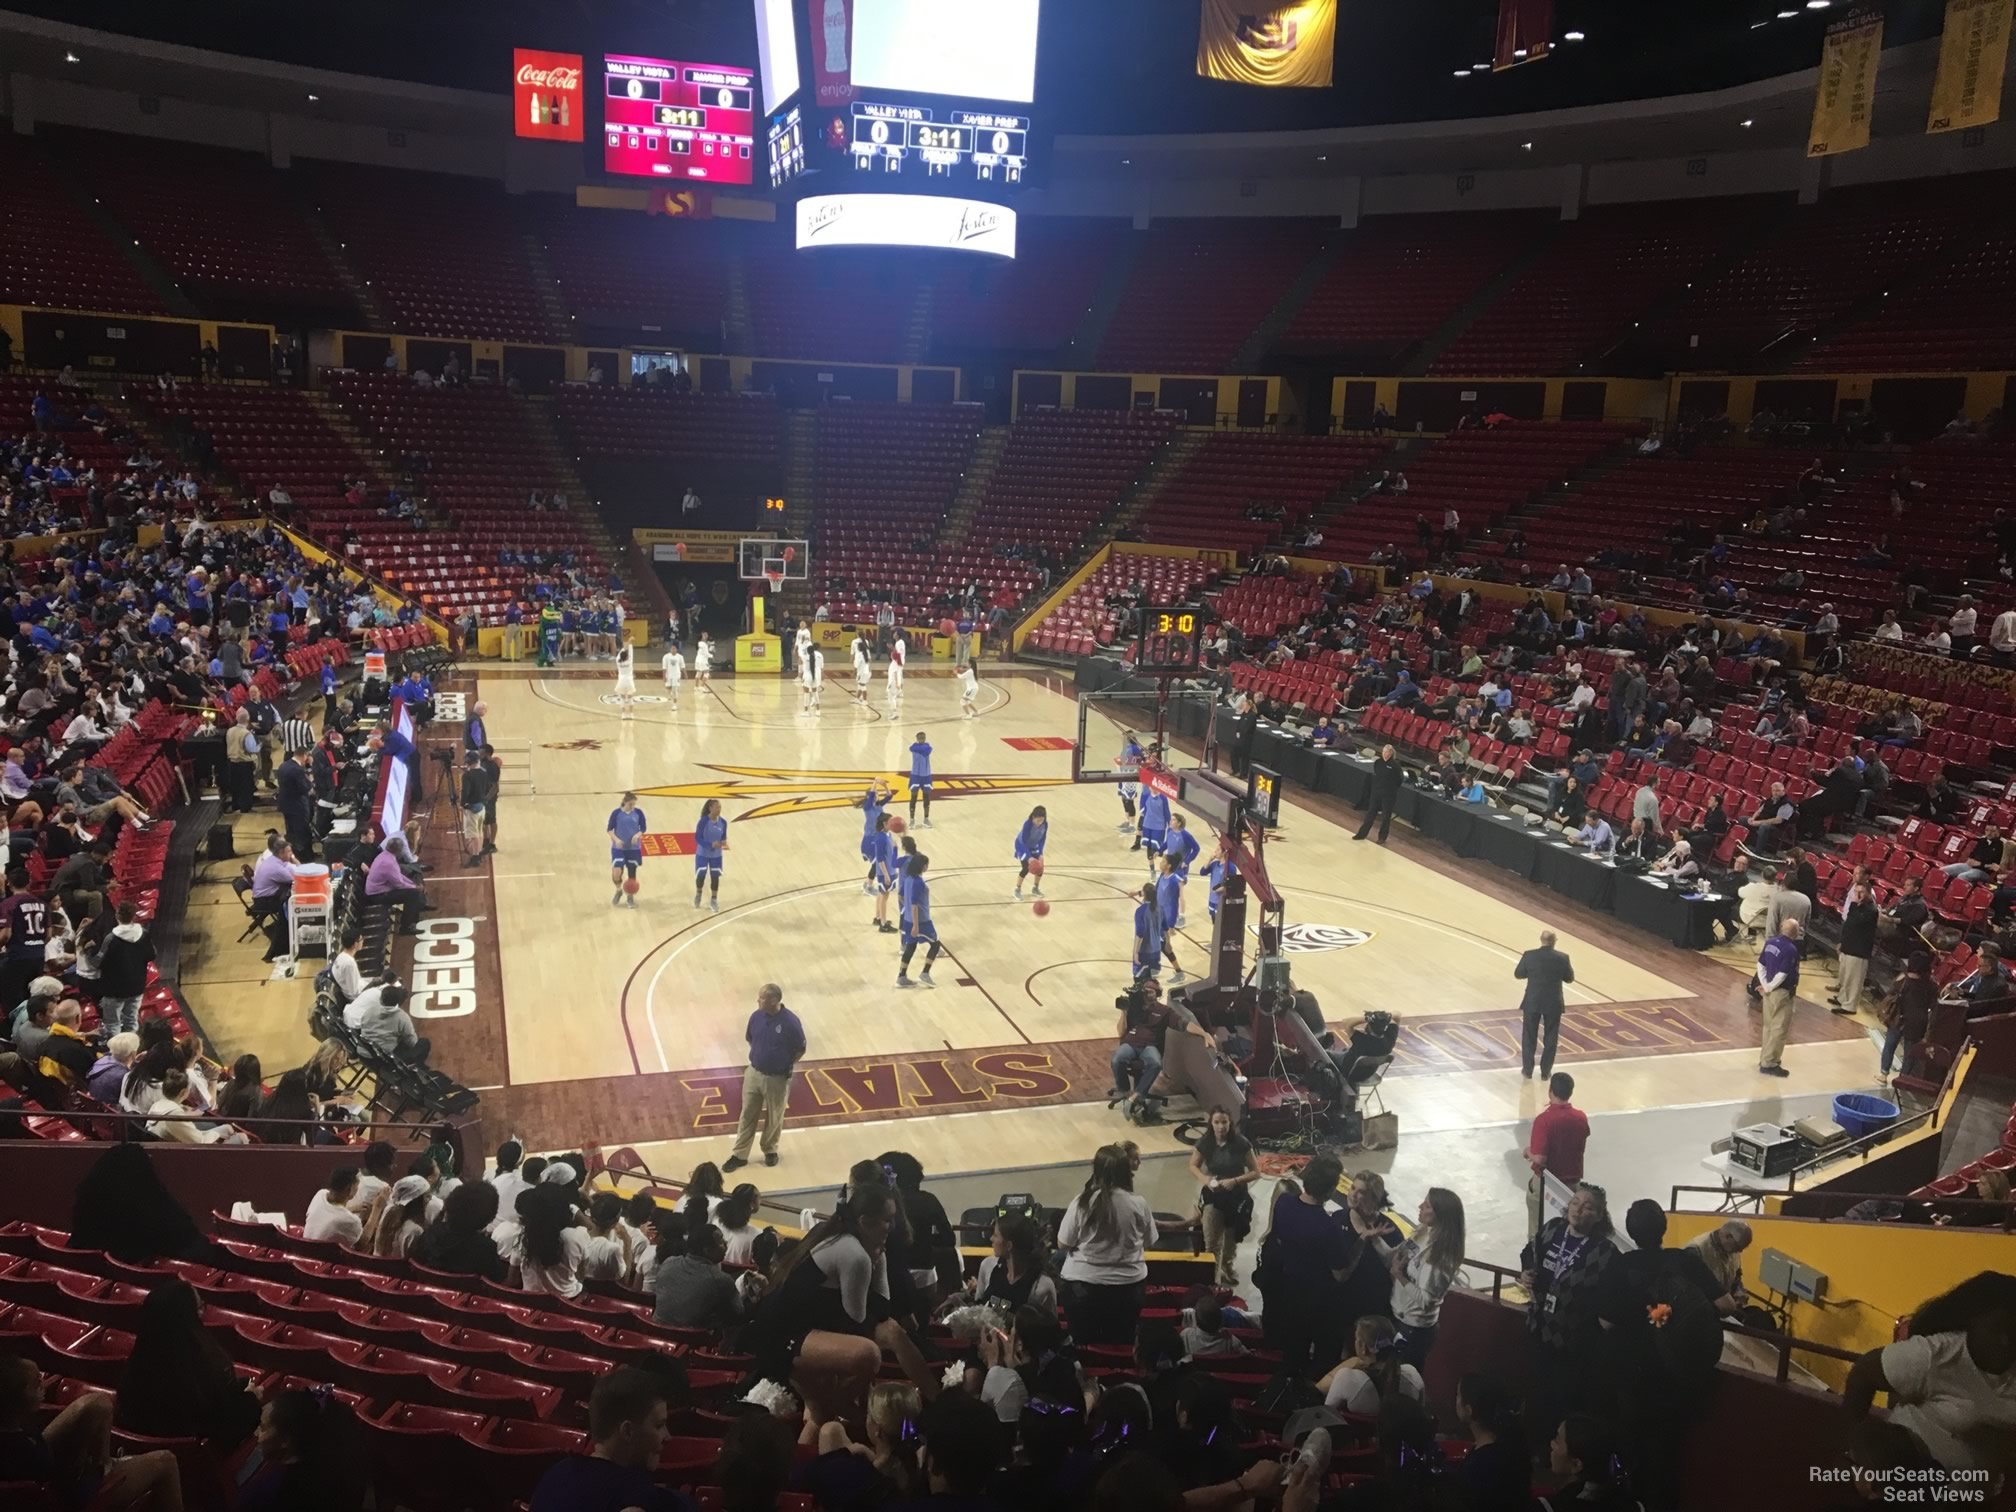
689	121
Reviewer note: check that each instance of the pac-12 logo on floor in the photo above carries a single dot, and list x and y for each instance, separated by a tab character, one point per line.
1305	939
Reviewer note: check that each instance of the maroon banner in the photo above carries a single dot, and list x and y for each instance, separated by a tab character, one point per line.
1525	32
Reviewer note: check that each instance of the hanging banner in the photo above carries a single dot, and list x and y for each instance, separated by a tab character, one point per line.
1846	96
546	95
1973	52
1525	33
832	57
1284	45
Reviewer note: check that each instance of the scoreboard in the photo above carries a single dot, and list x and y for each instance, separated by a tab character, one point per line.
688	121
1172	641
925	141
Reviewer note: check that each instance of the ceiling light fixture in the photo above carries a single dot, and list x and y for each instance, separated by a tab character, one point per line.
1525	146
1462	73
1749	123
1818	4
1787	15
1518	52
70	57
1574	36
313	98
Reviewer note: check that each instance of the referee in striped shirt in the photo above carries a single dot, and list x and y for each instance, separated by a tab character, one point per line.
297	736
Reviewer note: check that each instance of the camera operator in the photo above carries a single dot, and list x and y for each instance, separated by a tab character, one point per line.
1142	1031
476	799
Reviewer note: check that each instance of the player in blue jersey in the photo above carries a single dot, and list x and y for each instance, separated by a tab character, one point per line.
887	866
710	838
917	925
1147	934
874	806
1215	874
626	847
1154	824
1029	843
1181	847
920	777
1169	904
1129	762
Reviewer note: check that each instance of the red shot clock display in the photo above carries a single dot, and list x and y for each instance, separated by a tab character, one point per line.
666	119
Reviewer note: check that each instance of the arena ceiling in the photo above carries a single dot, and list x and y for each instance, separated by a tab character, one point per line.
1107	67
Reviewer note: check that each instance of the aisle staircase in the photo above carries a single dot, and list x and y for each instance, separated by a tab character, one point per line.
548	286
1168	463
738	333
801	486
1253	351
361	295
641	588
1091	333
917	333
987	453
1443	336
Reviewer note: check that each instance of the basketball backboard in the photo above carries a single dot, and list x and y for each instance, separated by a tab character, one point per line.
758	557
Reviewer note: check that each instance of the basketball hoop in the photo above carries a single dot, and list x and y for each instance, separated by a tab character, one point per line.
775	579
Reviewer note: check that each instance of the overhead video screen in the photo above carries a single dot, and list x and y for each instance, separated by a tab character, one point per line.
776	51
689	121
982	49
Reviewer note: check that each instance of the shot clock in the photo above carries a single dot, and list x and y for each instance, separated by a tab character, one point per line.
1263	796
1172	641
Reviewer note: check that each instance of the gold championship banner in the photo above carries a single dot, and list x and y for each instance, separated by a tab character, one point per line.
1846	96
1276	44
1973	51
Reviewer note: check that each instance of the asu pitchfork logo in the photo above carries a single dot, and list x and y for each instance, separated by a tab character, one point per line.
788	790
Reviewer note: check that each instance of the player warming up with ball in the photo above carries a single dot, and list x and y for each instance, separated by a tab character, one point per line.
626	678
873	806
710	838
920	774
888	872
969	693
1129	761
674	663
703	661
898	650
917	925
626	848
1029	843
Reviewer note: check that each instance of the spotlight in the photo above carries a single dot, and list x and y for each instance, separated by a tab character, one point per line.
1748	123
1462	73
71	57
1818	4
1525	146
1574	36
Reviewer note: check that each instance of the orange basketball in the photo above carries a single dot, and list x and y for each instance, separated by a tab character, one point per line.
1042	908
1035	866
895	824
630	885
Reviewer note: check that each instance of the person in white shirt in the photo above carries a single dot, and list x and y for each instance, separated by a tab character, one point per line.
398	1217
344	972
376	1175
2002	636
674	665
703	660
1106	1233
1962	625
1953	1382
808	677
898	649
690	503
863	672
969	693
801	645
505	1178
822	613
542	1243
176	1097
1936	639
736	1218
1374	1373
607	1253
329	1211
1890	630
1829	623
83	727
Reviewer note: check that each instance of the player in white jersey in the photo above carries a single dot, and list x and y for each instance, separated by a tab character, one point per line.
898	649
969	692
864	671
802	647
815	678
626	678
674	663
703	659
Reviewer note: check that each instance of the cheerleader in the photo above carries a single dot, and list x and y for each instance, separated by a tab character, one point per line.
703	660
626	678
1181	847
1029	843
710	838
969	692
674	663
888	868
873	807
1129	763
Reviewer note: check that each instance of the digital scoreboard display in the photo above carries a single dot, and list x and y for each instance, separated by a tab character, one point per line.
923	141
689	121
1172	641
787	147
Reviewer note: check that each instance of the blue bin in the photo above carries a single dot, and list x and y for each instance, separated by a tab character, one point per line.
1860	1114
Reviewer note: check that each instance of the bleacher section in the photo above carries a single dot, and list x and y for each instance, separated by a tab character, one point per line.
274	437
224	224
1062	474
1033	304
647	275
442	255
1199	289
482	468
1085	621
1396	278
1597	273
51	252
1205	503
854	304
642	423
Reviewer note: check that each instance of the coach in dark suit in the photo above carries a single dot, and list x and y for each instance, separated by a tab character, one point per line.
1545	972
1385	793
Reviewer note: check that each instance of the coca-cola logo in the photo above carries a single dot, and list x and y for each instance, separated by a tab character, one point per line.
548	78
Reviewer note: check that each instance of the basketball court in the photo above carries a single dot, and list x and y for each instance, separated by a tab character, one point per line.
583	1022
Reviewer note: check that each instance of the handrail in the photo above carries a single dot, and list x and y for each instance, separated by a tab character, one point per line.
251	1123
1783	1344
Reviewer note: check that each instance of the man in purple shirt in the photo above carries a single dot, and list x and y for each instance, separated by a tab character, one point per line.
272	886
776	1041
1778	976
386	882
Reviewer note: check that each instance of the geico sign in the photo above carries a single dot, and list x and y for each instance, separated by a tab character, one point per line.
444	969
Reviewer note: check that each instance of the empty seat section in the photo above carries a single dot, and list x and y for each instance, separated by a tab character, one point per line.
1198	289
51	252
1207	502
